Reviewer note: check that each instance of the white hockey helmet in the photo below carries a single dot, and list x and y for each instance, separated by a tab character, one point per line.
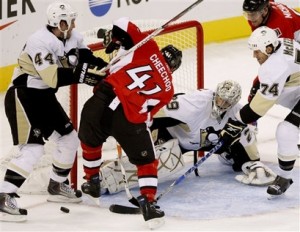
58	11
261	38
227	94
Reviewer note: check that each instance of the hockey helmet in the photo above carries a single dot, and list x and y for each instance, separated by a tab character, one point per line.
254	5
227	94
60	11
261	38
172	56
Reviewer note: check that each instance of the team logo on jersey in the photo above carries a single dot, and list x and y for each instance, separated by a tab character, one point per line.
36	132
100	7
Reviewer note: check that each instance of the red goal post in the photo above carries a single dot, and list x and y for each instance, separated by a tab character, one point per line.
186	36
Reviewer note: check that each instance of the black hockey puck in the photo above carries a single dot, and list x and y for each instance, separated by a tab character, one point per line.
78	193
64	209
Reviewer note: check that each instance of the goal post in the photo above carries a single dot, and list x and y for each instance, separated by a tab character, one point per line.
186	36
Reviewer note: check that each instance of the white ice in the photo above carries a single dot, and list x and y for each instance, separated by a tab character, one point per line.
212	202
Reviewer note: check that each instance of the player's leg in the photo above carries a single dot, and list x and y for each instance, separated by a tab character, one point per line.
55	125
287	135
170	162
93	132
136	141
18	111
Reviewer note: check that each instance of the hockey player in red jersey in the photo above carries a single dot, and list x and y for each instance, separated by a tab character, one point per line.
279	75
123	105
284	20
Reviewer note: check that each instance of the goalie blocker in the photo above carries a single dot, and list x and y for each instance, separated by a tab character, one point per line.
170	161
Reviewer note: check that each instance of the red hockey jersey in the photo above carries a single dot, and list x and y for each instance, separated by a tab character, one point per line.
284	20
142	80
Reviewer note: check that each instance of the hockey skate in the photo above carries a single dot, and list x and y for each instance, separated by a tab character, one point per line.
9	210
61	192
151	213
92	187
279	186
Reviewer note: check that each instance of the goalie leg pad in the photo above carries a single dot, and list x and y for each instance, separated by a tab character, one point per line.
256	173
170	162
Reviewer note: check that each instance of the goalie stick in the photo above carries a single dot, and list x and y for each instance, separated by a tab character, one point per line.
122	209
149	37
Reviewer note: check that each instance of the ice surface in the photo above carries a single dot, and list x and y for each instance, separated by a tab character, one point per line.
215	201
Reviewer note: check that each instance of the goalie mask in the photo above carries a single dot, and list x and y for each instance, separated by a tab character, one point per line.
227	94
261	38
58	12
172	56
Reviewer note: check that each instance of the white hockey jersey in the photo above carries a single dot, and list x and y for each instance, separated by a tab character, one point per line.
42	54
195	109
279	78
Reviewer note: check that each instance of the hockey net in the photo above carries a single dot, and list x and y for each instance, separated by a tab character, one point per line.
186	36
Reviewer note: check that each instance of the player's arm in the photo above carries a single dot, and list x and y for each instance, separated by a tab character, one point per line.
160	122
55	76
84	55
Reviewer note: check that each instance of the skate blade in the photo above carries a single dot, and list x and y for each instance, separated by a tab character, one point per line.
63	199
5	217
272	197
155	223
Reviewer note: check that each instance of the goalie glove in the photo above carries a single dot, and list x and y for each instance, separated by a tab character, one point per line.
88	74
209	136
256	173
231	132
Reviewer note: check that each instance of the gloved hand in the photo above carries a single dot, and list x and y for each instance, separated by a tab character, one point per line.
107	38
209	137
82	55
88	74
73	57
105	35
108	42
231	131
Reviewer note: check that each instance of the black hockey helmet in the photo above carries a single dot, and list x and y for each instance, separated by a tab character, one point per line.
254	5
172	56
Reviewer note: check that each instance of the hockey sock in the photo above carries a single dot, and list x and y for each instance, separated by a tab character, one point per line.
91	160
147	176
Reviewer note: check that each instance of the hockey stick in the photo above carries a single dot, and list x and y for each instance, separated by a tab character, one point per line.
149	37
129	210
196	165
195	161
119	208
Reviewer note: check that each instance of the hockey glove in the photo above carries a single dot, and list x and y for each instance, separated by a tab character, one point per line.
231	131
83	55
209	137
88	74
105	35
73	57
